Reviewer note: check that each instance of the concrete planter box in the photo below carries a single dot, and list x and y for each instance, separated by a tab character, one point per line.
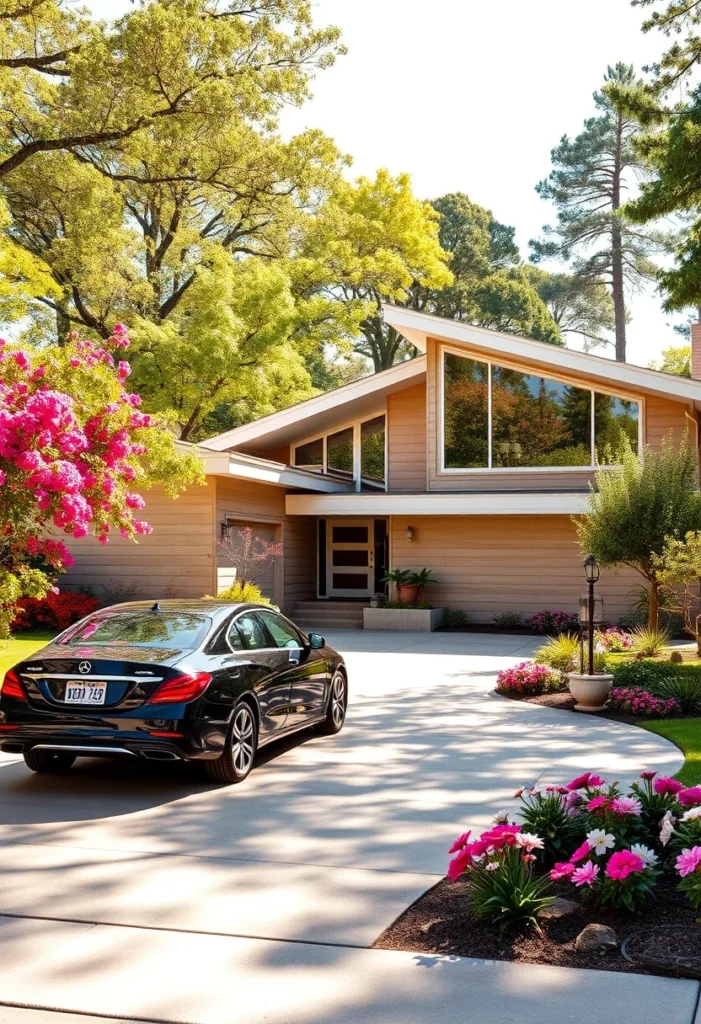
422	620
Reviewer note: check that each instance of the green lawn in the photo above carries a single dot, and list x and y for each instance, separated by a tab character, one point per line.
686	733
12	651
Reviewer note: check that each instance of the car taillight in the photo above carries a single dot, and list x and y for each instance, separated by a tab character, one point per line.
12	686
181	689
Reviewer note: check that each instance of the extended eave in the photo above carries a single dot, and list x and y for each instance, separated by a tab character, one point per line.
265	471
364	397
438	503
419	327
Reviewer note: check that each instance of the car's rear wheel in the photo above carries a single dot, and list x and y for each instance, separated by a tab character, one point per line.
48	762
338	701
236	761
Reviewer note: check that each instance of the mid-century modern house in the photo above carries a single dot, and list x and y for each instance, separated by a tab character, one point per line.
469	459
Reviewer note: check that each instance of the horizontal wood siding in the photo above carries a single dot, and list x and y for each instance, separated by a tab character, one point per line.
665	418
300	535
406	439
176	560
491	564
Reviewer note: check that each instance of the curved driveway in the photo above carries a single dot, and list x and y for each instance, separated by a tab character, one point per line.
325	843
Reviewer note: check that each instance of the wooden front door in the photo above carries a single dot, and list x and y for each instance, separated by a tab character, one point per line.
350	558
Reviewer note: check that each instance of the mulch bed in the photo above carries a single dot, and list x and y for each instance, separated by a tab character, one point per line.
441	922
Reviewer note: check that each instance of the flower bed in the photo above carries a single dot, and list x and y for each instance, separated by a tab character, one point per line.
624	858
528	679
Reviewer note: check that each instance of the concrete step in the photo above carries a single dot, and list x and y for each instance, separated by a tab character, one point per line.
352	620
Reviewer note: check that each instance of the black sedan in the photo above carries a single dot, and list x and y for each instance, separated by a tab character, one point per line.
192	680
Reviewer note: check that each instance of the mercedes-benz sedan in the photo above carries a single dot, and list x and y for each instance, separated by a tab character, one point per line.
193	680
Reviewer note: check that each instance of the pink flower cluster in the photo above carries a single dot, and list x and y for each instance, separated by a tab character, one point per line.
689	862
526	677
491	841
63	461
633	700
552	622
614	639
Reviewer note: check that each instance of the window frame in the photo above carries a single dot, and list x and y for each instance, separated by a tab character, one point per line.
323	436
264	613
506	364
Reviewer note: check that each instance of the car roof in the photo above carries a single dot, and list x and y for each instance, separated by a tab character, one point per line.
211	607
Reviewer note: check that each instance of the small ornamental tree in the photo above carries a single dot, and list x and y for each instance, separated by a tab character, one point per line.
74	447
636	506
679	572
250	556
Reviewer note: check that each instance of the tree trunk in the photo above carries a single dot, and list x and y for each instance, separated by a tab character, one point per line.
63	327
617	294
653	605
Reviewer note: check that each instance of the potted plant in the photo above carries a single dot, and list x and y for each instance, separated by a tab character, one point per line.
410	584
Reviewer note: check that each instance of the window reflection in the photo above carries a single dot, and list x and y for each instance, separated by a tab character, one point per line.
311	454
538	422
465	417
339	453
611	416
372	453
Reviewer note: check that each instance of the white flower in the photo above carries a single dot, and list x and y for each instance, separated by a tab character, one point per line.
535	791
693	812
528	841
492	866
600	841
648	856
667	827
501	817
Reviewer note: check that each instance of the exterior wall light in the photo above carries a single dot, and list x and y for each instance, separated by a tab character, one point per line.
410	533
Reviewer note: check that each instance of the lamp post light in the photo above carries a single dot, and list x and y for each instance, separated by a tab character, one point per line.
591	573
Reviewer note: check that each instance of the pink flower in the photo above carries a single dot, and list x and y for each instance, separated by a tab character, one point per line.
519	792
586	874
585	781
688	861
460	842
622	864
123	369
563	869
689	797
647	775
22	360
135	501
598	802
460	861
626	805
664	785
581	852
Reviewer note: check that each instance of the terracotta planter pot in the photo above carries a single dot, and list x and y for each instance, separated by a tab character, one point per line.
590	692
409	593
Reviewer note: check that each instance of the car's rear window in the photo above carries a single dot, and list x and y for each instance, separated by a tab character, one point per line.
184	630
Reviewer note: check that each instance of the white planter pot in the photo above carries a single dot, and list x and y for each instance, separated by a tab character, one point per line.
590	692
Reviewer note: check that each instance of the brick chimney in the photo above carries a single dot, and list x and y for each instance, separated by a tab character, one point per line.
696	349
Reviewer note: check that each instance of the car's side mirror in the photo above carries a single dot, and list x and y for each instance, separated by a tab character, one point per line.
316	641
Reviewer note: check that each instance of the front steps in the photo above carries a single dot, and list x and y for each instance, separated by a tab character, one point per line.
316	616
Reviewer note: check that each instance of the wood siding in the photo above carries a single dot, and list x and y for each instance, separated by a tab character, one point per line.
492	564
406	439
176	560
663	418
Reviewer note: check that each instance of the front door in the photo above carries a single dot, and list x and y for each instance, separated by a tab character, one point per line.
350	559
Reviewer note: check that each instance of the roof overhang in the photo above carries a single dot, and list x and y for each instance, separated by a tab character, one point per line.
435	503
360	398
419	327
265	471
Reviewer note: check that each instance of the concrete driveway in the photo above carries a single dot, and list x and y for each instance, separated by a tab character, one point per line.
142	892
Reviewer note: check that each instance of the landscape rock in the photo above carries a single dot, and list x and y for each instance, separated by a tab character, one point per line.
596	937
560	907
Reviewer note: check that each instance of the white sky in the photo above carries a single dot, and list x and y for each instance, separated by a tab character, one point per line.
471	96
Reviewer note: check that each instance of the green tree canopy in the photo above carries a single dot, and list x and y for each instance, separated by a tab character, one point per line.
636	506
580	306
675	359
587	185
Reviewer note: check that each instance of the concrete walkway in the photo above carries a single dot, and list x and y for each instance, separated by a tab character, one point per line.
142	892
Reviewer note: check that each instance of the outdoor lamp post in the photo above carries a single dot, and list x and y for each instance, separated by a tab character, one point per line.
591	572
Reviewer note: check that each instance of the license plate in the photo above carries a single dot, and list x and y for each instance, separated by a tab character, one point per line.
85	693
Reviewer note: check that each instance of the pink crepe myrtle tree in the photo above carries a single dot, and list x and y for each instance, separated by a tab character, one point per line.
251	556
75	448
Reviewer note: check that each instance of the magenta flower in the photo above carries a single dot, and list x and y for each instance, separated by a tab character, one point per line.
689	797
584	781
648	775
598	802
626	805
581	852
460	842
460	861
586	874
688	861
622	864
563	869
664	786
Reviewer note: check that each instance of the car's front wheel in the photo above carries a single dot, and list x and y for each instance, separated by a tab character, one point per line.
48	762
338	701
236	761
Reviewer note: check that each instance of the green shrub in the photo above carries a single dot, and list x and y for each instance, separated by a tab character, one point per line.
455	618
509	620
545	815
649	642
404	604
685	689
247	593
560	652
511	896
642	673
664	679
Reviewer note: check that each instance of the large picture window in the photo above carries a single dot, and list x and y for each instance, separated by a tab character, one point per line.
495	417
